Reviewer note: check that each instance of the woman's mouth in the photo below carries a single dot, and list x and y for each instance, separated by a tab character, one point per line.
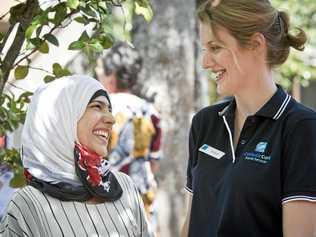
101	134
220	75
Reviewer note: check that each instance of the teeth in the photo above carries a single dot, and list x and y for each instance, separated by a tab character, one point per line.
219	73
101	133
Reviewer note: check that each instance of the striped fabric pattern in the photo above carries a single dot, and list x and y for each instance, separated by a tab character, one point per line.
33	213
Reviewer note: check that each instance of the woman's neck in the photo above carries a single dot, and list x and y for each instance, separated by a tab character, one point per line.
254	96
250	100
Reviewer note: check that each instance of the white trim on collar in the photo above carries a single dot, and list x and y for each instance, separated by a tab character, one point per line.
282	107
299	198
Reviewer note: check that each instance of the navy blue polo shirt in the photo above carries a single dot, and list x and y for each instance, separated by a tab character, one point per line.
240	192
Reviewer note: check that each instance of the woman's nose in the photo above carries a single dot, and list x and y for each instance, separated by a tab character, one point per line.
109	118
208	61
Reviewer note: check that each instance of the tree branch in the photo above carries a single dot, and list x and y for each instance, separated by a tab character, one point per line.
31	7
51	31
25	57
40	69
17	87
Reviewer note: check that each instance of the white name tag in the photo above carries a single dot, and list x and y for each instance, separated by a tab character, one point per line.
211	151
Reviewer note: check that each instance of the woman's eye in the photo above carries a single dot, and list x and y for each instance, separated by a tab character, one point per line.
97	106
215	48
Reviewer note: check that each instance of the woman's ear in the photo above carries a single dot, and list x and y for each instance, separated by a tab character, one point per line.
258	43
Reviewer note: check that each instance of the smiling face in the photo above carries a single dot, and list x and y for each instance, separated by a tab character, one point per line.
223	55
94	127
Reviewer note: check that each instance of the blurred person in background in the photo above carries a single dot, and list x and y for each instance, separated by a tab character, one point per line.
6	175
136	135
252	160
72	190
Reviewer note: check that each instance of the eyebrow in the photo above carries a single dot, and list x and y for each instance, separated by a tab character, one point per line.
212	42
101	102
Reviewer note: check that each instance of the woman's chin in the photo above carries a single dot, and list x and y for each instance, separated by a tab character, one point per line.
222	91
104	154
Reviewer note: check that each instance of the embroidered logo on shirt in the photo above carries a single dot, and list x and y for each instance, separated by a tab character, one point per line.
211	151
261	147
258	155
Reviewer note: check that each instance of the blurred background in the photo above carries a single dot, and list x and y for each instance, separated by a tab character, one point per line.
172	78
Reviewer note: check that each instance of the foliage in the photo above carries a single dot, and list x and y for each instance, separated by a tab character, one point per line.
299	65
37	25
12	114
12	111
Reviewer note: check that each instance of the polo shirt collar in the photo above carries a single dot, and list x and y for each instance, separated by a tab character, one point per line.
276	106
273	108
229	110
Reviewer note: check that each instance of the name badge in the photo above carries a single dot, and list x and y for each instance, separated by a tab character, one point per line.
211	151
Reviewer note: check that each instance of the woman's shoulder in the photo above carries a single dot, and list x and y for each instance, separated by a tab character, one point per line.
130	191
24	198
299	113
22	208
298	119
24	194
124	180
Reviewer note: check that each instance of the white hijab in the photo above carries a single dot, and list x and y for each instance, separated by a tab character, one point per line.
50	128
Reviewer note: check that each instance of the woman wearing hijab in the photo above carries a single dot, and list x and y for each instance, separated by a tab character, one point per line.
71	189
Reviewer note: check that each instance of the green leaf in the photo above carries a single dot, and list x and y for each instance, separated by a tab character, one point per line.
96	45
25	97
18	180
103	6
147	12
73	3
44	48
29	31
66	72
29	46
87	10
49	78
38	31
51	39
81	20
37	42
107	41
41	19
84	37
76	45
61	13
21	72
57	70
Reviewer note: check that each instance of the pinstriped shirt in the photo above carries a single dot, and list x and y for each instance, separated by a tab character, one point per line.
33	213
